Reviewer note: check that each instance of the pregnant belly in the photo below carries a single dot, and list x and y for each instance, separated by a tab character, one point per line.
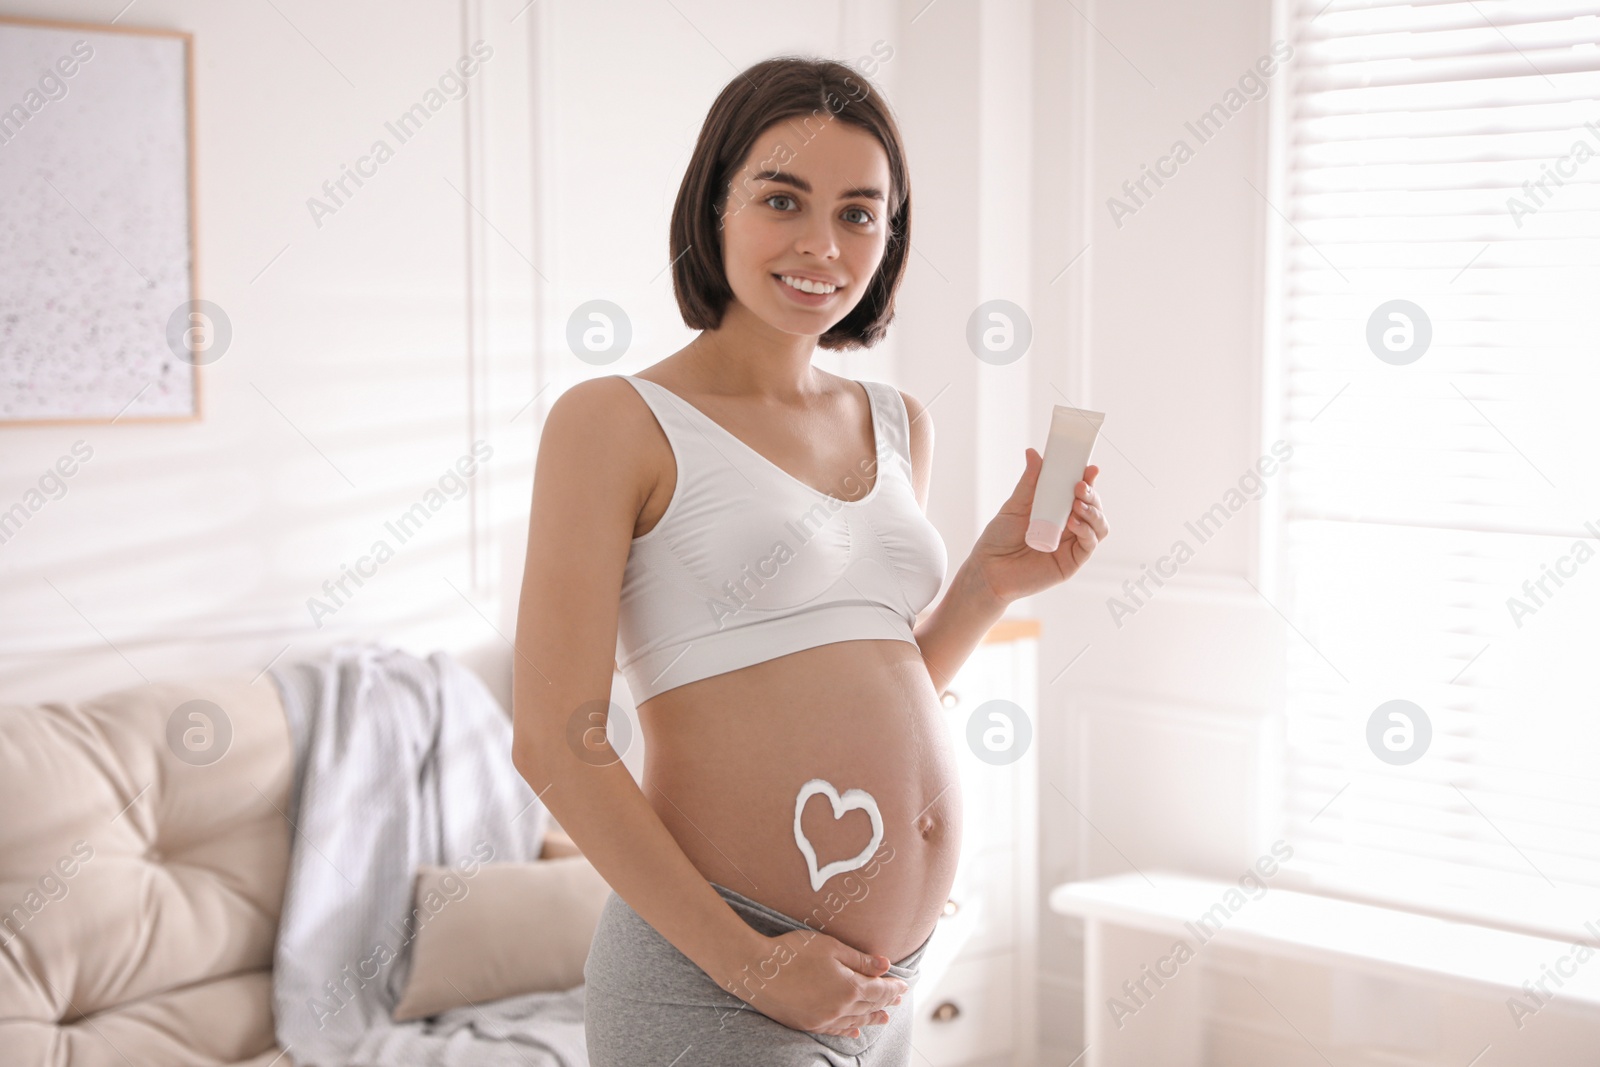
726	758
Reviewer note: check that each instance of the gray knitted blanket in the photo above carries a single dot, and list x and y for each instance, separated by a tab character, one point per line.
398	762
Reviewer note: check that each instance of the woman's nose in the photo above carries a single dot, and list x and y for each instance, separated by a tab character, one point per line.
819	240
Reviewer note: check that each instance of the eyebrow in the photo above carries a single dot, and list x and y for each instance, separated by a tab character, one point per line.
865	192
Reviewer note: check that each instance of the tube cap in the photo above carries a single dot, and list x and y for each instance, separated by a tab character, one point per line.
1043	535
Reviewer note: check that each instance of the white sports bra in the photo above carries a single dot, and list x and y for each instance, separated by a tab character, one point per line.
748	563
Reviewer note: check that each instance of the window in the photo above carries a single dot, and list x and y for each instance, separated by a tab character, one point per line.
1437	366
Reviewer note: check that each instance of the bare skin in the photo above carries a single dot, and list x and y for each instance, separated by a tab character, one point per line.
726	755
734	750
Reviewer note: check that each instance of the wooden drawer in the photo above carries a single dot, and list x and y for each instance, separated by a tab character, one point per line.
990	792
986	886
968	1014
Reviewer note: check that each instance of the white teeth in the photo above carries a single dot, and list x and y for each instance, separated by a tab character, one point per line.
805	285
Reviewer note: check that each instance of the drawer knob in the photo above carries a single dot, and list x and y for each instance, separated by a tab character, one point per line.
951	907
945	1012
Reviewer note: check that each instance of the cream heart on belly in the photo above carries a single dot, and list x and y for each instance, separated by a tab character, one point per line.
852	799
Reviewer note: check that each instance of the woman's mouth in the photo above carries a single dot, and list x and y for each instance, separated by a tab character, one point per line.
813	294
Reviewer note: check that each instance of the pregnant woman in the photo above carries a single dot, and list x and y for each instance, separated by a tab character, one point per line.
746	532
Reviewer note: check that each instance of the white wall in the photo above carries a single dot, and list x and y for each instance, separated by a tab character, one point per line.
370	353
1150	752
362	349
1158	744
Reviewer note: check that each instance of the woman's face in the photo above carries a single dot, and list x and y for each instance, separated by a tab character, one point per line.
809	202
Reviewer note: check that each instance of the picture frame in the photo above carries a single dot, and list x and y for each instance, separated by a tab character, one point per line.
100	315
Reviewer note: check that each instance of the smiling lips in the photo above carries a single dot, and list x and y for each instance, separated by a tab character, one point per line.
807	290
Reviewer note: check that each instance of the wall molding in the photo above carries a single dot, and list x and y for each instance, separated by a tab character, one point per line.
1203	587
1250	732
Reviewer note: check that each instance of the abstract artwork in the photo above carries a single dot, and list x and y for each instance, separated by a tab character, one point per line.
99	317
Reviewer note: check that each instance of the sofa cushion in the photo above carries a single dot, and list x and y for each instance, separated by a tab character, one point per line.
142	868
506	930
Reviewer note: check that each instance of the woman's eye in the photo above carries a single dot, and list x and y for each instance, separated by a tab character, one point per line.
865	218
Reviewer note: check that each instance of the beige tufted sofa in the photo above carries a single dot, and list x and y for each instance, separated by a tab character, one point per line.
140	889
139	892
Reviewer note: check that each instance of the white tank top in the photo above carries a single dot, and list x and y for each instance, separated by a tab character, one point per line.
748	563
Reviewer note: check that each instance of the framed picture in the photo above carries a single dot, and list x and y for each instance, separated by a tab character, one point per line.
100	317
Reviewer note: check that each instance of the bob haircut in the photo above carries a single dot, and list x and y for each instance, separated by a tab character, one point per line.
805	93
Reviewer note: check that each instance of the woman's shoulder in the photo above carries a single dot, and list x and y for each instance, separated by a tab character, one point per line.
605	398
606	420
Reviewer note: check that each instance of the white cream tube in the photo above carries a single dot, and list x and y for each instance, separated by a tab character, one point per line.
1066	456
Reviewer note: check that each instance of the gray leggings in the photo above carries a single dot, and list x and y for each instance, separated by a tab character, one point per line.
649	1005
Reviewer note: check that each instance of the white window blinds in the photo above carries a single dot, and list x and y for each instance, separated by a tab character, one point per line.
1439	533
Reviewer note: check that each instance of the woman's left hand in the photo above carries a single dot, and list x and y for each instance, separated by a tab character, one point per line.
1012	569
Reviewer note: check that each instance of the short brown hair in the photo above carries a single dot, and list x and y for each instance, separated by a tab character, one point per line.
772	91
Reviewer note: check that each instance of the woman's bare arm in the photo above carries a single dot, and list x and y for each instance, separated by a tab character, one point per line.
949	633
954	627
588	488
558	845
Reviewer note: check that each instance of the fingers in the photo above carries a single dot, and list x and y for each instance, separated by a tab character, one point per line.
1086	515
877	989
1085	489
1082	541
877	993
1022	495
1080	537
868	964
1087	518
881	989
875	996
879	984
850	1025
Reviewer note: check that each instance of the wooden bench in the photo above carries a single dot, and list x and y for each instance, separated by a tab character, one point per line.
1142	997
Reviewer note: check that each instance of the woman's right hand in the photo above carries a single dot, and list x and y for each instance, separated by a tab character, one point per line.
810	981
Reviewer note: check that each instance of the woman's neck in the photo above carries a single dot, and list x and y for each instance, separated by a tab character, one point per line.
747	357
